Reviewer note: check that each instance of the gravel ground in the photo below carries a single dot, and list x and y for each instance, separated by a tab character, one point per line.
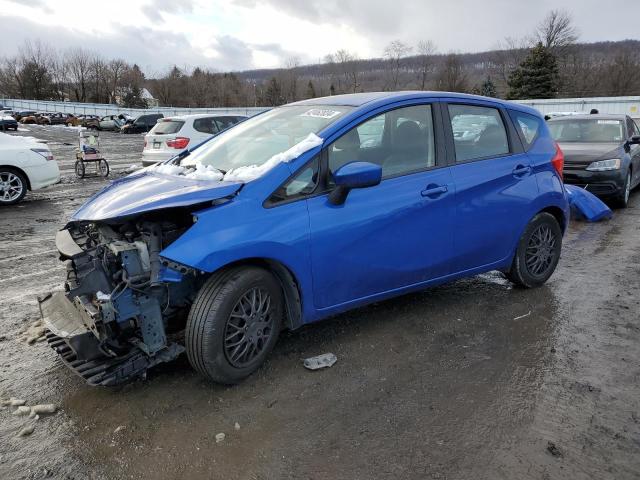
474	379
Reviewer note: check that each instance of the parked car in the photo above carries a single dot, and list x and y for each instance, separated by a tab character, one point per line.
87	121
142	124
58	118
7	122
24	165
24	113
173	135
7	112
286	219
602	154
113	122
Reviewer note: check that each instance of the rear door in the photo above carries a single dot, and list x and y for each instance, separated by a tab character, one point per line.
203	128
495	185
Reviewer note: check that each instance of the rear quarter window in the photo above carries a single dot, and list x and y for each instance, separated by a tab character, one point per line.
167	127
528	127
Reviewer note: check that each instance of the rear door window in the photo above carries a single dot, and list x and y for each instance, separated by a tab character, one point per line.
225	122
167	127
528	127
205	125
478	132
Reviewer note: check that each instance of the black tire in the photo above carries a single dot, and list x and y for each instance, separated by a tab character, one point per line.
537	253
79	168
622	199
217	338
10	181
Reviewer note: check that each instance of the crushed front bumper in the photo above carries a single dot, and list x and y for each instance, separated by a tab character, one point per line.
70	333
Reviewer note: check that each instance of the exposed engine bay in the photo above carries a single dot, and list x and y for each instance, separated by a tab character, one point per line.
123	306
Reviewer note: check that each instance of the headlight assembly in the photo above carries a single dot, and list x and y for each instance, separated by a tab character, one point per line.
604	165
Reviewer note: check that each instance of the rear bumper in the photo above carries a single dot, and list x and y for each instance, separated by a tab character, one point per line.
149	157
602	184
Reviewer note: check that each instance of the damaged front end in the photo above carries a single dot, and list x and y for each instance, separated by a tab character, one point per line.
123	305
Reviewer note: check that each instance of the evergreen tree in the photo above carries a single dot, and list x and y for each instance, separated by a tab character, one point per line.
311	90
536	77
487	89
273	94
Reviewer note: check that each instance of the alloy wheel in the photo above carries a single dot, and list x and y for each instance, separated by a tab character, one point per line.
541	250
249	327
11	187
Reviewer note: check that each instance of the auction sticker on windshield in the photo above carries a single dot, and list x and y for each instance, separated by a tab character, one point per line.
320	113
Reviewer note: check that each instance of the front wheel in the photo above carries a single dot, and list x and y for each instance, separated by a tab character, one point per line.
538	252
622	199
103	167
234	323
13	187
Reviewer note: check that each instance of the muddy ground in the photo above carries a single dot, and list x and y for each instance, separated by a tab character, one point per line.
471	380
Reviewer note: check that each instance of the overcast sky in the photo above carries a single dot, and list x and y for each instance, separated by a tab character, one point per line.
246	34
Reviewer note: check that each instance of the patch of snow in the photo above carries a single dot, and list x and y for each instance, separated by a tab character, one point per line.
205	172
21	129
169	169
251	172
133	168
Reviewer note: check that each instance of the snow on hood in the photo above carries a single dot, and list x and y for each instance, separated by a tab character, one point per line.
240	174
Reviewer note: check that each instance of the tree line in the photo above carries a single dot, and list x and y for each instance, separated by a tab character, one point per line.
547	63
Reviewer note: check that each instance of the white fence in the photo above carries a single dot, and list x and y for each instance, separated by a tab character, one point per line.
622	105
615	105
102	109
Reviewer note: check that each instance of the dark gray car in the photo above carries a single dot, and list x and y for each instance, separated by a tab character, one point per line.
601	153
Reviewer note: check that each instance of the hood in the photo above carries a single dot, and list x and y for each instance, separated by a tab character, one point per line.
589	152
148	191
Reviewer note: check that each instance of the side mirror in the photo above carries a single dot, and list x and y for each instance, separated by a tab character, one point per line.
635	140
354	175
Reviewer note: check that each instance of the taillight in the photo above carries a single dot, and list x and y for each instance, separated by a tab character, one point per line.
46	153
178	142
558	161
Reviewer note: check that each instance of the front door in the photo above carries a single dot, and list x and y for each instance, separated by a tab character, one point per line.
393	235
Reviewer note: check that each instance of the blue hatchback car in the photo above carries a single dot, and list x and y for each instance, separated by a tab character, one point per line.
297	214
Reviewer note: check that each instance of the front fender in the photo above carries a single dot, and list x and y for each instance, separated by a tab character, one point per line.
243	229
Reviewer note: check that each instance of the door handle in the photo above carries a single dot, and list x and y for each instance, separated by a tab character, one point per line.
433	191
521	170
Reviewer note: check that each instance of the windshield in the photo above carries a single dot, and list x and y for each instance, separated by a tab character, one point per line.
587	131
258	139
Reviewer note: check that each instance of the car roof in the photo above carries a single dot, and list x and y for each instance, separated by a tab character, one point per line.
202	115
381	98
598	116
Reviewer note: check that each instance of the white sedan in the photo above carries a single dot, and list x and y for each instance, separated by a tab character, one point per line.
25	164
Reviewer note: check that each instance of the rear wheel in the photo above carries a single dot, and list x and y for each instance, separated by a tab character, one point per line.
538	252
234	323
13	187
622	199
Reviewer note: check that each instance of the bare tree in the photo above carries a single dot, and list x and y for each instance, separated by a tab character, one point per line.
556	32
346	64
452	76
289	79
115	70
395	52
78	63
426	51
